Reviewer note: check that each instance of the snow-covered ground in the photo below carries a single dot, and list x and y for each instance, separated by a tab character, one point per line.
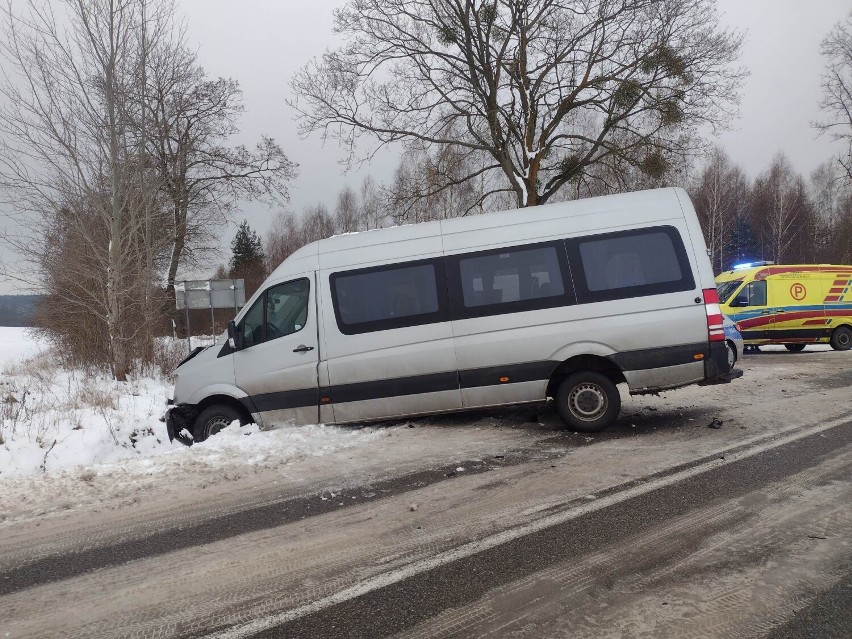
76	441
54	420
72	441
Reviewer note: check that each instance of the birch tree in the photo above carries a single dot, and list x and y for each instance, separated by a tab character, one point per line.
719	191
347	216
70	86
779	209
537	91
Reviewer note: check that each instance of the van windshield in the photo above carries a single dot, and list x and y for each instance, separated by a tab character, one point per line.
726	289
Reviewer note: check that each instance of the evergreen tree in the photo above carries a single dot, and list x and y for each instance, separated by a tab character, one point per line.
248	260
246	247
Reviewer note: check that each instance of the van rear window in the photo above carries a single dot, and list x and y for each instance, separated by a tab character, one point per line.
387	297
630	264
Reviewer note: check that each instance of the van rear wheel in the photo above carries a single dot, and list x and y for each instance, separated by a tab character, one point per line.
213	419
588	401
795	348
841	338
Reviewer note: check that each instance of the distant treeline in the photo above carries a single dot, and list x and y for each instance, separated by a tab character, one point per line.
19	310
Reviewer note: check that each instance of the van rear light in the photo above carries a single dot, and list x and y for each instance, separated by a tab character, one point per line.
715	329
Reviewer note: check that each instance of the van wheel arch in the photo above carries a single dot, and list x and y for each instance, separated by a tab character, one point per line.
221	400
584	363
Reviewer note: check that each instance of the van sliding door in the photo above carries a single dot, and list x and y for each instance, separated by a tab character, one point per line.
389	341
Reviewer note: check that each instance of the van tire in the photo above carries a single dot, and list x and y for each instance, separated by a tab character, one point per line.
213	419
588	401
841	338
795	348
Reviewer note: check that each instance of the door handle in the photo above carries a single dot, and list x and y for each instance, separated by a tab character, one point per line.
301	348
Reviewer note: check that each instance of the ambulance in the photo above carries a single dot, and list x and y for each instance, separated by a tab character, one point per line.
789	304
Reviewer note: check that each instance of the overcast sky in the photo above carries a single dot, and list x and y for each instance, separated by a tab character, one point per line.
262	43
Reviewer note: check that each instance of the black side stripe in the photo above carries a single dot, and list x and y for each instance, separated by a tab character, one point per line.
286	399
415	385
472	378
490	376
660	357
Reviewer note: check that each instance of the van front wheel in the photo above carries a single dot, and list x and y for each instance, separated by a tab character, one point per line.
588	401
841	338
795	348
213	419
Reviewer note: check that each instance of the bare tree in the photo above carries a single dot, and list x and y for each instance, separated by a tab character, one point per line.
541	90
837	89
831	193
370	203
69	153
282	240
780	208
190	120
719	190
347	218
316	224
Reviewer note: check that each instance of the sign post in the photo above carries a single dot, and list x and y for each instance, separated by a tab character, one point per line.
212	294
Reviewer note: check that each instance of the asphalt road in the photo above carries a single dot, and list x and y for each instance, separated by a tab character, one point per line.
715	513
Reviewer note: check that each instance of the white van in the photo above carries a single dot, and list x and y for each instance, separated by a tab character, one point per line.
561	301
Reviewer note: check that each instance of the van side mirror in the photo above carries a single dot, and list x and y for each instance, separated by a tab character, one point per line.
740	301
235	337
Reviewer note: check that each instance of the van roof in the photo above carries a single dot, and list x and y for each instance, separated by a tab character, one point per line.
638	207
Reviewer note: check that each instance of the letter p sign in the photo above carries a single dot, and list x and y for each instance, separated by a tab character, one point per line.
798	291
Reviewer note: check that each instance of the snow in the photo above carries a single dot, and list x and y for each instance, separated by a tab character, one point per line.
55	421
17	344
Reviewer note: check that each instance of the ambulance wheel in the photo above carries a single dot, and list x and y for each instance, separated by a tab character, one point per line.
841	338
588	401
795	348
213	419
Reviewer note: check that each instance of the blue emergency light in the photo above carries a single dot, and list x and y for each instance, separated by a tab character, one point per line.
737	267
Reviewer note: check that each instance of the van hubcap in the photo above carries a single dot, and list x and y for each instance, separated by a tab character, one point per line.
214	425
587	402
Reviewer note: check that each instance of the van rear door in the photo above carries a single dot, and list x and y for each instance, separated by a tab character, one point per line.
277	367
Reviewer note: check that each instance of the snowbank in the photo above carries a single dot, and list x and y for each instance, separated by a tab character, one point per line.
85	424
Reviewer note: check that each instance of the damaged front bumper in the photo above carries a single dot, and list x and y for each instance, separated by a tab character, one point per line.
179	422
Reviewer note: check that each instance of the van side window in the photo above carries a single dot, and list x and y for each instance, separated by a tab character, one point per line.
509	280
510	276
281	310
385	297
629	264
